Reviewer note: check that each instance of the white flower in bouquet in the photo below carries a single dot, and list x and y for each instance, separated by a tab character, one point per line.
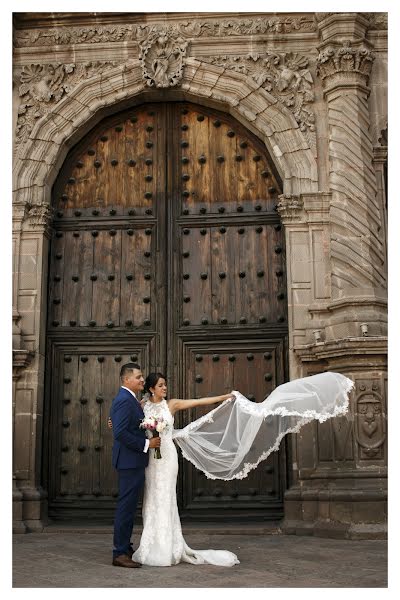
161	426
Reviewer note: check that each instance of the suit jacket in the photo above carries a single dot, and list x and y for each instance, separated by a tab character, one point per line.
129	440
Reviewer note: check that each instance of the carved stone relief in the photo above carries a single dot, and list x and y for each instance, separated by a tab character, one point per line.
42	86
189	29
370	426
345	58
290	207
285	76
40	216
162	59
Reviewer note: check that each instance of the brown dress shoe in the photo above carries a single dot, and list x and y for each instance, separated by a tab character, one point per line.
130	552
123	560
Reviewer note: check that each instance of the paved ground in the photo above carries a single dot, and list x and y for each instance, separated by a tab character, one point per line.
76	559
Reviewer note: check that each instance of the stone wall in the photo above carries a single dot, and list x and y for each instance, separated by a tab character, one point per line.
312	87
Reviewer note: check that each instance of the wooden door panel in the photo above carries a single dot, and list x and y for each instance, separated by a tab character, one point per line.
255	368
231	275
87	380
226	169
113	168
105	280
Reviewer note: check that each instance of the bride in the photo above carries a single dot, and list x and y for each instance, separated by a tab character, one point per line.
162	543
225	443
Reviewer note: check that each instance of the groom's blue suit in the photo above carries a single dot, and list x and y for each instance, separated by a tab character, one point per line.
130	460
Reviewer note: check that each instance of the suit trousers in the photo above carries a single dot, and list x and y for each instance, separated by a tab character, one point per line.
130	484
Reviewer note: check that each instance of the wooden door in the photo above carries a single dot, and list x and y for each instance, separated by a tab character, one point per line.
167	249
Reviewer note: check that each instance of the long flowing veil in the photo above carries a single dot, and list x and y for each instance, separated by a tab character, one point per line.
235	437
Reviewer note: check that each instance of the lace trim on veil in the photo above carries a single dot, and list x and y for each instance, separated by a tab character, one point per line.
307	417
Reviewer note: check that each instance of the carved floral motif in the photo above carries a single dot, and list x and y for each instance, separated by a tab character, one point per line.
42	86
284	75
290	207
40	216
345	59
162	60
189	29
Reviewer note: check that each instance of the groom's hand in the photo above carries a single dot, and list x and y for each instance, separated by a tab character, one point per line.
109	423
155	442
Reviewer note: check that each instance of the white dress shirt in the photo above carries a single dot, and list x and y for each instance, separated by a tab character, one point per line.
147	442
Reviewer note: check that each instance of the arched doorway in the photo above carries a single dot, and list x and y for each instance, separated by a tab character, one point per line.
166	249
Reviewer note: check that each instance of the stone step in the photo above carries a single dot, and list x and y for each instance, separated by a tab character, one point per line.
256	528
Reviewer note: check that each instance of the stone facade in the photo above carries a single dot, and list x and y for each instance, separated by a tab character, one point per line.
312	87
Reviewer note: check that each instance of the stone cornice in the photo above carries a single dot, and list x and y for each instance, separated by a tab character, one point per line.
343	348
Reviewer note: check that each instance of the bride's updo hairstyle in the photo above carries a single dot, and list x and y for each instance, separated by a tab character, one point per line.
151	381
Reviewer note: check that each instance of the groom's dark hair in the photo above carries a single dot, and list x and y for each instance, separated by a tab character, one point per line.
128	368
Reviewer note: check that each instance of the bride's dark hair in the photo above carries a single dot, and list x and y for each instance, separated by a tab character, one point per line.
151	381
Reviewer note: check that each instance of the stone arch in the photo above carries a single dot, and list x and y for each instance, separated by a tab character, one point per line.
39	159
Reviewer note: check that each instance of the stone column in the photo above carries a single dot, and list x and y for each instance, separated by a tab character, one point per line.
31	230
357	232
339	482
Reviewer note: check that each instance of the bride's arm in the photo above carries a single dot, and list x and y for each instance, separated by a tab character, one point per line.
175	404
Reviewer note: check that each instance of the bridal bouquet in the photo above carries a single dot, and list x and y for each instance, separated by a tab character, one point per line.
156	426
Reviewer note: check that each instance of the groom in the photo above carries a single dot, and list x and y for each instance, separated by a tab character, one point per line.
130	458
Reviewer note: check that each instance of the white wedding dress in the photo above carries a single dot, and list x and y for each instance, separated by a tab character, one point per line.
162	543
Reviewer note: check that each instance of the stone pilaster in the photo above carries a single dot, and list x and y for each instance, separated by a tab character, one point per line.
306	222
31	230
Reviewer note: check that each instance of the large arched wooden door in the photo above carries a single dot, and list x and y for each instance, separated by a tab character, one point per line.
167	249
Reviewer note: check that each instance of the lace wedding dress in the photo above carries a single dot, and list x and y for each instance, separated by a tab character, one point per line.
162	543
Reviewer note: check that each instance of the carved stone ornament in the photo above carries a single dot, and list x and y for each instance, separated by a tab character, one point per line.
370	429
98	34
344	59
40	216
162	59
290	207
42	86
285	76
